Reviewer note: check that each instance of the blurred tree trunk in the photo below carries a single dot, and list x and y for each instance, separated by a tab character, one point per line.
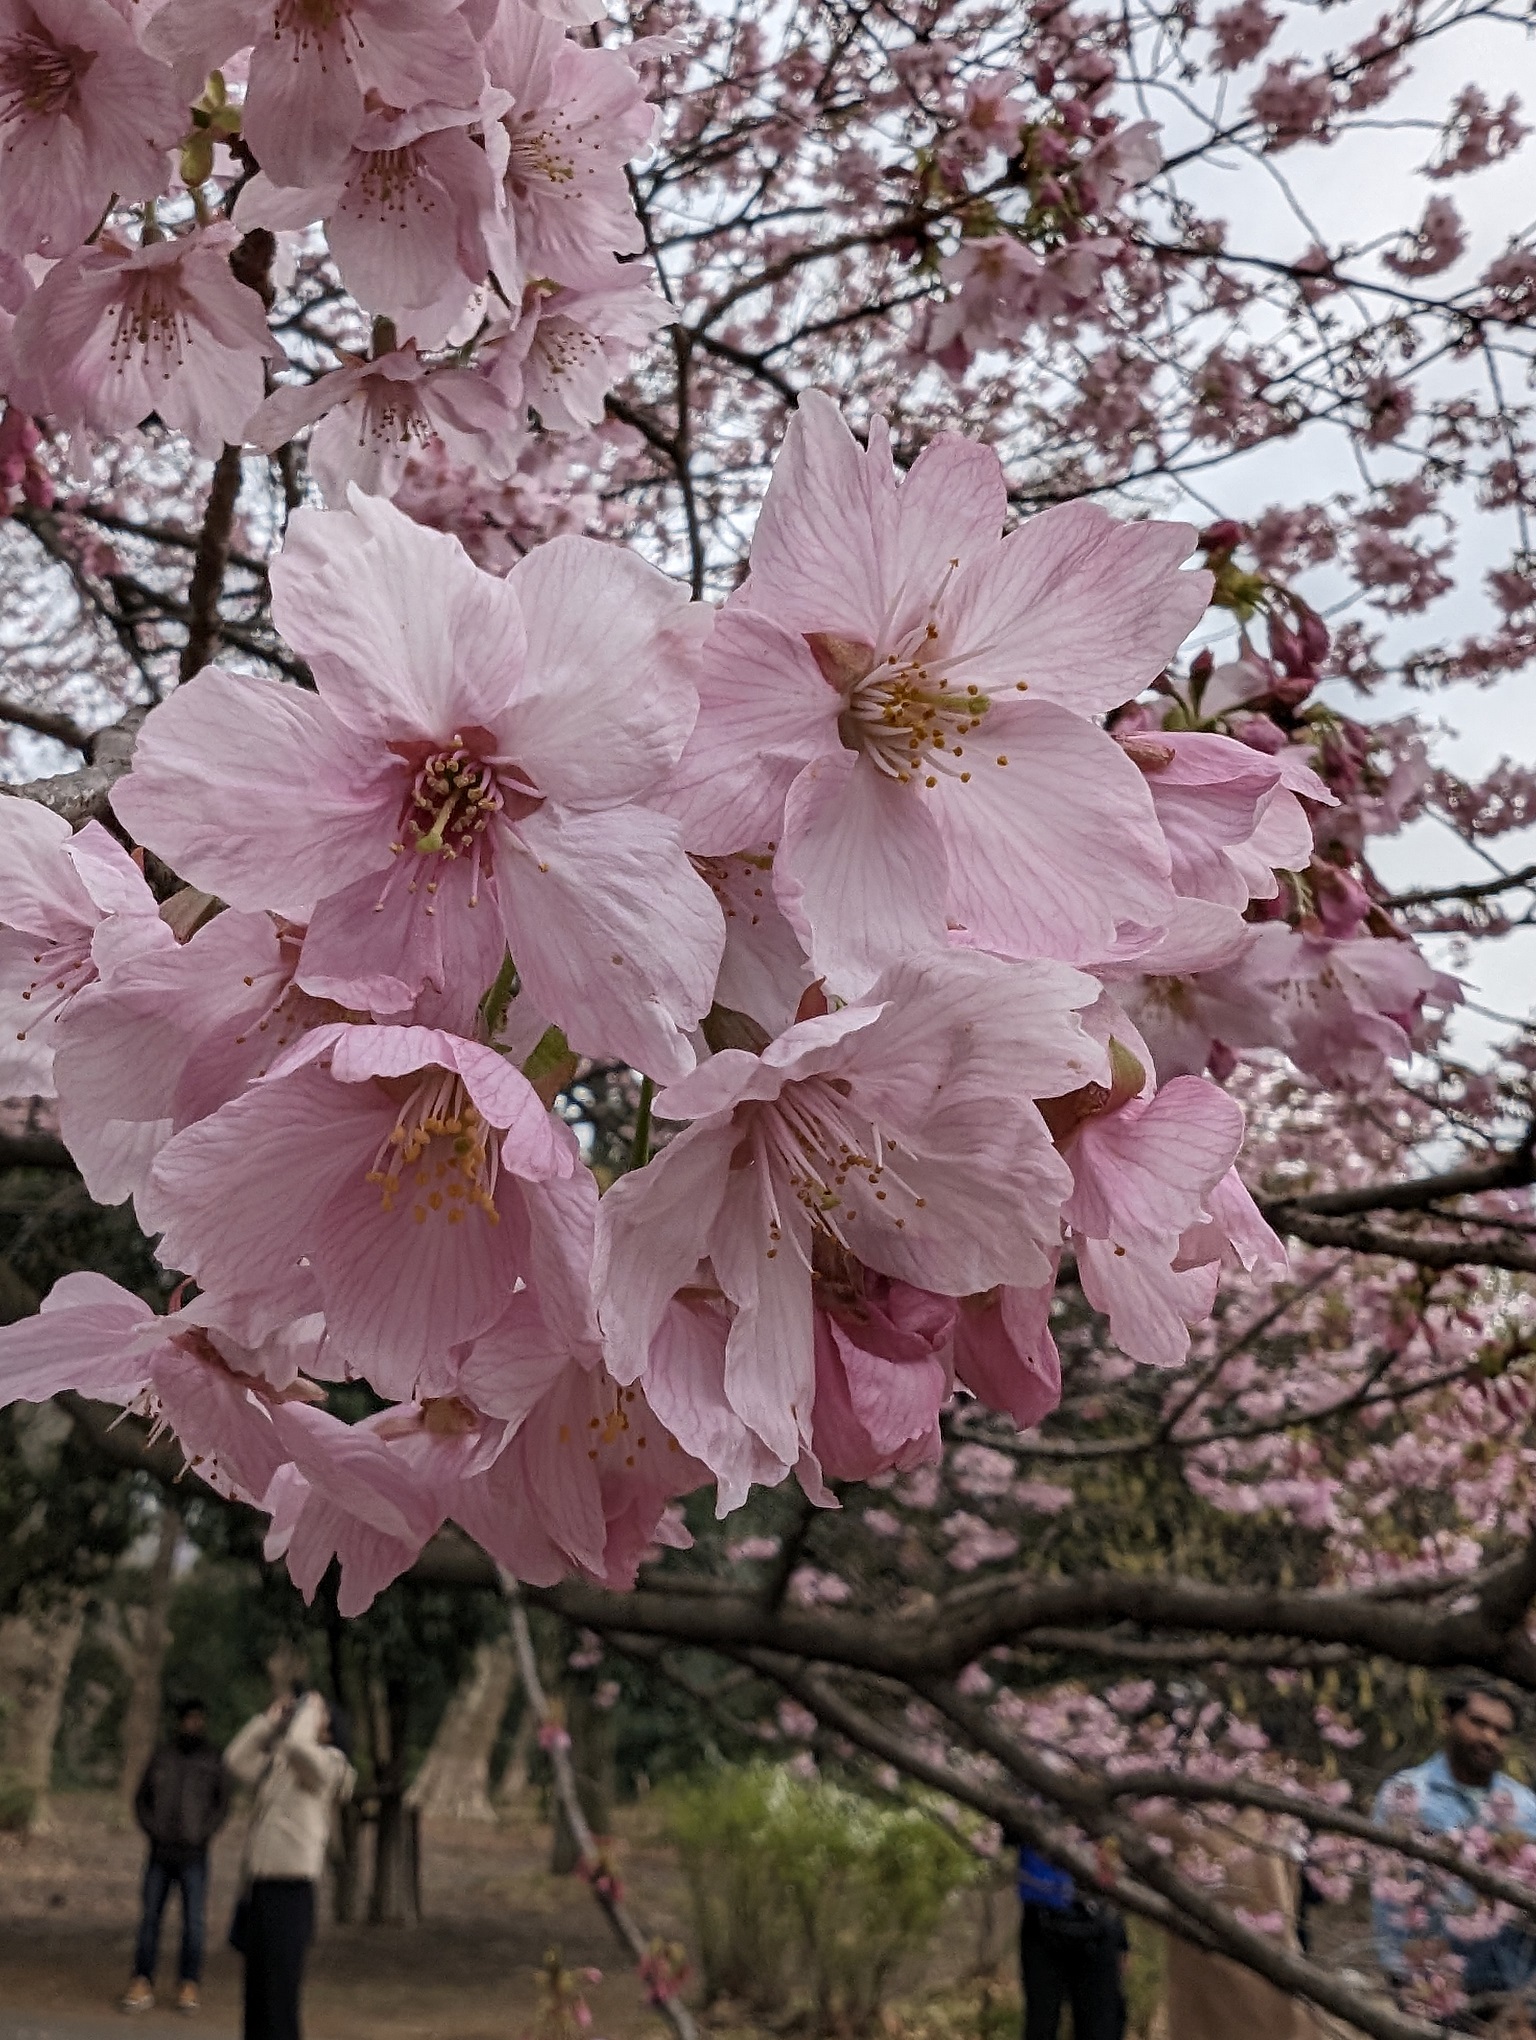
36	1652
512	1788
149	1632
396	1870
594	1736
454	1781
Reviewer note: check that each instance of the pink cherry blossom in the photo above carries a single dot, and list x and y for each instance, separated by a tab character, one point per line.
85	116
177	1032
406	218
1231	816
114	333
584	1484
1144	1164
1346	1009
312	64
385	1175
375	416
58	893
182	1370
1004	1352
465	782
569	347
579	116
887	1130
881	1379
863	704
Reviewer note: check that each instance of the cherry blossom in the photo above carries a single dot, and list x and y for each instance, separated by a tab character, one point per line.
464	803
69	906
860	705
312	66
406	1204
373	417
85	116
876	1130
115	332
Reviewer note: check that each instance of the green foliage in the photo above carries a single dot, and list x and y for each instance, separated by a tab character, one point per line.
800	1886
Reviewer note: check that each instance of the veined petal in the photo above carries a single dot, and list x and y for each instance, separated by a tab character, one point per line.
256	793
1085	607
1053	843
407	637
652	1232
615	934
862	874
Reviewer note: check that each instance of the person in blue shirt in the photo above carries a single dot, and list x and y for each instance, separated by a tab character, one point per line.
1463	1785
1071	1951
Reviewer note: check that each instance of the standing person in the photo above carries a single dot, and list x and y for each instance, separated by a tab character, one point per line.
1463	1785
1071	1951
181	1803
295	1756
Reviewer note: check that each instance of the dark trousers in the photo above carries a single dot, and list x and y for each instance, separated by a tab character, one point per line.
1080	1970
191	1879
279	1927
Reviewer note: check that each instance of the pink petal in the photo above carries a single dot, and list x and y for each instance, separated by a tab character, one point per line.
256	793
406	635
616	936
765	712
1150	1306
1050	853
1084	607
1139	1175
685	1386
652	1232
608	699
1005	1355
86	1338
862	870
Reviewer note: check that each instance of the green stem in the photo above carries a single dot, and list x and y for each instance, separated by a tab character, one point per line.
640	1146
493	1007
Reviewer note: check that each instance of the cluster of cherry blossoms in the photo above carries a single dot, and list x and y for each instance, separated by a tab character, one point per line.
925	940
465	162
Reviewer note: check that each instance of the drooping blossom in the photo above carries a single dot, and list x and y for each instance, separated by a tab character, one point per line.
1346	1009
183	1370
406	219
1145	1160
570	347
389	1176
466	781
115	333
1003	1351
375	416
881	1377
887	1130
85	115
900	699
579	116
176	1032
1231	816
312	64
59	892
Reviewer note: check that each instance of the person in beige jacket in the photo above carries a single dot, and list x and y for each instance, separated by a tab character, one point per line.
291	1754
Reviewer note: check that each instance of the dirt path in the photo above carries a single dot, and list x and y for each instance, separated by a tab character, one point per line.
68	1908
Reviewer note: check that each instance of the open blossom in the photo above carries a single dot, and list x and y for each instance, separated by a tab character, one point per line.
114	333
84	115
58	893
184	1370
406	218
897	1129
579	116
569	347
313	63
375	416
881	1378
385	1175
464	784
900	698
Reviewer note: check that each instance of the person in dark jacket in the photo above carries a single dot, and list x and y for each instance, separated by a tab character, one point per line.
1071	1952
181	1804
